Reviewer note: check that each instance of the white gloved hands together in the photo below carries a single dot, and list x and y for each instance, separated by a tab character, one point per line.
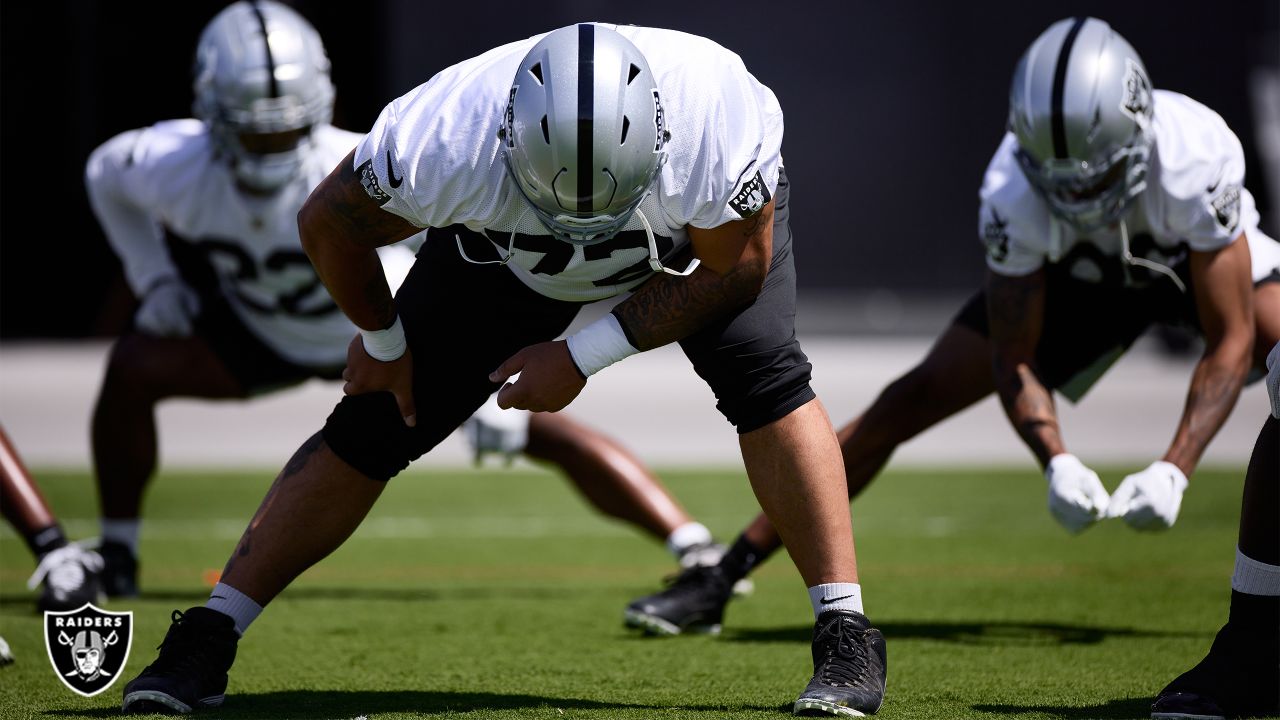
168	309
1150	499
1077	498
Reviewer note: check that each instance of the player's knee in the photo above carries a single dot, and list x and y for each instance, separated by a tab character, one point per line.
767	401
368	433
906	402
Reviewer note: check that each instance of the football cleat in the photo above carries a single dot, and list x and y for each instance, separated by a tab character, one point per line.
711	554
119	570
849	667
191	670
70	576
1240	677
694	602
6	655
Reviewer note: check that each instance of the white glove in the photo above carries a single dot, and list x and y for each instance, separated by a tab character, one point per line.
1150	500
1273	380
1077	498
493	429
168	309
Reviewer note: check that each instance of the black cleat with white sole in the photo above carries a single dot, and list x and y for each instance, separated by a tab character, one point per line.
191	671
849	667
694	602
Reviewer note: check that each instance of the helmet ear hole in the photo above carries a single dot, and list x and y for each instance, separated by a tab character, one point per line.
626	125
631	74
536	72
546	133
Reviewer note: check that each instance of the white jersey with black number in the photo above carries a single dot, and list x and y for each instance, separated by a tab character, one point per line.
433	158
165	183
1194	200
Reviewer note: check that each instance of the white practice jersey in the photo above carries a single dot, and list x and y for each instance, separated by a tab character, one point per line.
163	183
1194	200
433	158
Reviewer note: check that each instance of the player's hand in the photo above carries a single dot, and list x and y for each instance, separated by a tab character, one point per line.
364	374
168	310
494	430
1150	500
1077	498
548	378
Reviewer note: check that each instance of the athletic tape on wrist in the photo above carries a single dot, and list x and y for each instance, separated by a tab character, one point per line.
385	345
599	345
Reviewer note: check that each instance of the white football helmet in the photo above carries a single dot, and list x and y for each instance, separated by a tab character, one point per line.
260	68
584	134
1081	106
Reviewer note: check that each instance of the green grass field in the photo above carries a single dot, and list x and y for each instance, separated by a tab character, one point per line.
499	593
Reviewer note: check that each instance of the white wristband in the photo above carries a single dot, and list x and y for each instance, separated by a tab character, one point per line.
385	345
599	345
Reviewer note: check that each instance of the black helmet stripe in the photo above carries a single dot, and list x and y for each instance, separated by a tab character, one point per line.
586	113
1059	88
273	87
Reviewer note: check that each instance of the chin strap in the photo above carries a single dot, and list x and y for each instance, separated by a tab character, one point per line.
511	243
1143	262
654	261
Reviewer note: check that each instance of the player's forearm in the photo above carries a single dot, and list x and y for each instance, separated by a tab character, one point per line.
354	277
668	308
1029	407
1215	386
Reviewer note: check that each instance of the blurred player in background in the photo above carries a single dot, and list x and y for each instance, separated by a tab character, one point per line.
66	572
203	215
582	165
1240	677
1108	206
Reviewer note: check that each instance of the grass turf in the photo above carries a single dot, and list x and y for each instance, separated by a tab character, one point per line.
499	594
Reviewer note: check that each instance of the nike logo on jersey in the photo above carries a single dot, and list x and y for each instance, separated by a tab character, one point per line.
1216	180
827	600
391	173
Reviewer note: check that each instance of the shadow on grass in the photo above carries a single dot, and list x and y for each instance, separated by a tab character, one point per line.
971	633
355	703
1125	708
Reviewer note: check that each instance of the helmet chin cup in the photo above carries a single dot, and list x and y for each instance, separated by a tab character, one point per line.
268	173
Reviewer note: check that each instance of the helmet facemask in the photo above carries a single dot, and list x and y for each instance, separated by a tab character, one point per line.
1090	195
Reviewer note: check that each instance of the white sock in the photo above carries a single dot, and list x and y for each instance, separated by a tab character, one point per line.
835	596
230	601
686	536
1255	578
124	532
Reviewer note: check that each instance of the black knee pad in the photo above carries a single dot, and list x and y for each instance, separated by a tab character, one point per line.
369	434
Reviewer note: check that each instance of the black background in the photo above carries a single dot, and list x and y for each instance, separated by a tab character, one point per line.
892	112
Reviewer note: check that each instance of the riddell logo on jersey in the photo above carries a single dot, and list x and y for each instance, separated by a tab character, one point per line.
88	647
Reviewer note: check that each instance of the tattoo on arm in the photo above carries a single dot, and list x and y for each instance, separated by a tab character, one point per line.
1215	387
668	308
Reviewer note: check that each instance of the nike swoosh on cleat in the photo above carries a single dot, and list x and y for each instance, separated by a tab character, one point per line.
391	173
826	600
